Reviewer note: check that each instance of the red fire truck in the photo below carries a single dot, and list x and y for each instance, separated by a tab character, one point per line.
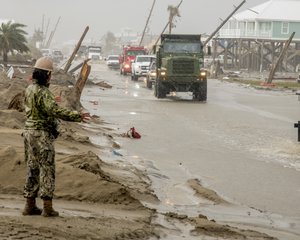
128	55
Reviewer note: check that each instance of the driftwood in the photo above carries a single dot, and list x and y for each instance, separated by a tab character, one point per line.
76	67
280	58
82	78
17	102
103	84
73	97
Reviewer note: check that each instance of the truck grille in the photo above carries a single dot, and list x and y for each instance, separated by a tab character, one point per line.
183	67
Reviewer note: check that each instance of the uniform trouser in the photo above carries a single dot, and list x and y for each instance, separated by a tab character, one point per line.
39	157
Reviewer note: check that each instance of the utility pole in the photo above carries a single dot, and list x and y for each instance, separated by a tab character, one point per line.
279	60
43	23
68	65
223	23
46	32
167	24
142	38
52	34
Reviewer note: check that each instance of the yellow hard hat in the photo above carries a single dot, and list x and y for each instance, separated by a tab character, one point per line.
44	63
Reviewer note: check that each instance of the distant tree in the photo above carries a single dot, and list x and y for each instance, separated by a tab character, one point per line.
173	12
12	37
110	41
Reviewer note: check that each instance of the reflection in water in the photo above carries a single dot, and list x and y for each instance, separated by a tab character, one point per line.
169	202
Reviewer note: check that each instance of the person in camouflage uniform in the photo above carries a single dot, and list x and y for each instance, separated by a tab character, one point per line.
41	129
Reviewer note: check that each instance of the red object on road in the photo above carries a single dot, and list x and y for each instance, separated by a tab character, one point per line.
132	133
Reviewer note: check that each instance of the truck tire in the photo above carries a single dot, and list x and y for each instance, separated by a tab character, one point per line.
134	77
200	94
159	91
148	83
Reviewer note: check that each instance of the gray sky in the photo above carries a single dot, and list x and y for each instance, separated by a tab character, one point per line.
197	16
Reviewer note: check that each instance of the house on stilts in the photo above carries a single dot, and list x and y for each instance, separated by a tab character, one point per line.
253	39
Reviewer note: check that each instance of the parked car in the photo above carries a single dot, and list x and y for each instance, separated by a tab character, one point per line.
151	75
112	61
141	65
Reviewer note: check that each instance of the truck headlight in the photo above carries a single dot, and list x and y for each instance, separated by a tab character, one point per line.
203	75
126	66
153	74
163	73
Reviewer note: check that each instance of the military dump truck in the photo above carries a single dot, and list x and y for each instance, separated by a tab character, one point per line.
179	61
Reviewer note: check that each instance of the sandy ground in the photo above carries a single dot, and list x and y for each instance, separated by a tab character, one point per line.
96	199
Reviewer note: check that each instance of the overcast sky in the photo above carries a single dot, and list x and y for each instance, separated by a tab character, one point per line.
197	16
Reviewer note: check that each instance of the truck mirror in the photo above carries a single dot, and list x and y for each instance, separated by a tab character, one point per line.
209	50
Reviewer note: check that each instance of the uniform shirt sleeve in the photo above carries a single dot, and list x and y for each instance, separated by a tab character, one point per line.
49	105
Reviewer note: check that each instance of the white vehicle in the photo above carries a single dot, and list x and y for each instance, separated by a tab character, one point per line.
57	56
94	53
46	52
141	66
112	61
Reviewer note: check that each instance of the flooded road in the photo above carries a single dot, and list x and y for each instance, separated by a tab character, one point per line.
241	143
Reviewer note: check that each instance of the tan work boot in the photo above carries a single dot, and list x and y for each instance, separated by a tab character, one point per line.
48	211
31	208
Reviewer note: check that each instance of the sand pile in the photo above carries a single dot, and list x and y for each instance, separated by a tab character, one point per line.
81	176
109	208
12	119
59	77
9	88
12	90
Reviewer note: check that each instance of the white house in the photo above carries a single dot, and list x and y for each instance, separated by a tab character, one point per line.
274	20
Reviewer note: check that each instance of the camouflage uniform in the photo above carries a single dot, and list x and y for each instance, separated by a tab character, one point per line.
41	129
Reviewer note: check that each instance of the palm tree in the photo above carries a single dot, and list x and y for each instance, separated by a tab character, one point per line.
12	37
173	12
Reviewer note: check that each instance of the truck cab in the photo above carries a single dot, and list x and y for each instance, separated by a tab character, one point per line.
128	55
94	53
179	66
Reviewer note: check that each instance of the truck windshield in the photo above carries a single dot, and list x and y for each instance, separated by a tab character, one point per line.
143	59
176	47
113	58
136	52
94	50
